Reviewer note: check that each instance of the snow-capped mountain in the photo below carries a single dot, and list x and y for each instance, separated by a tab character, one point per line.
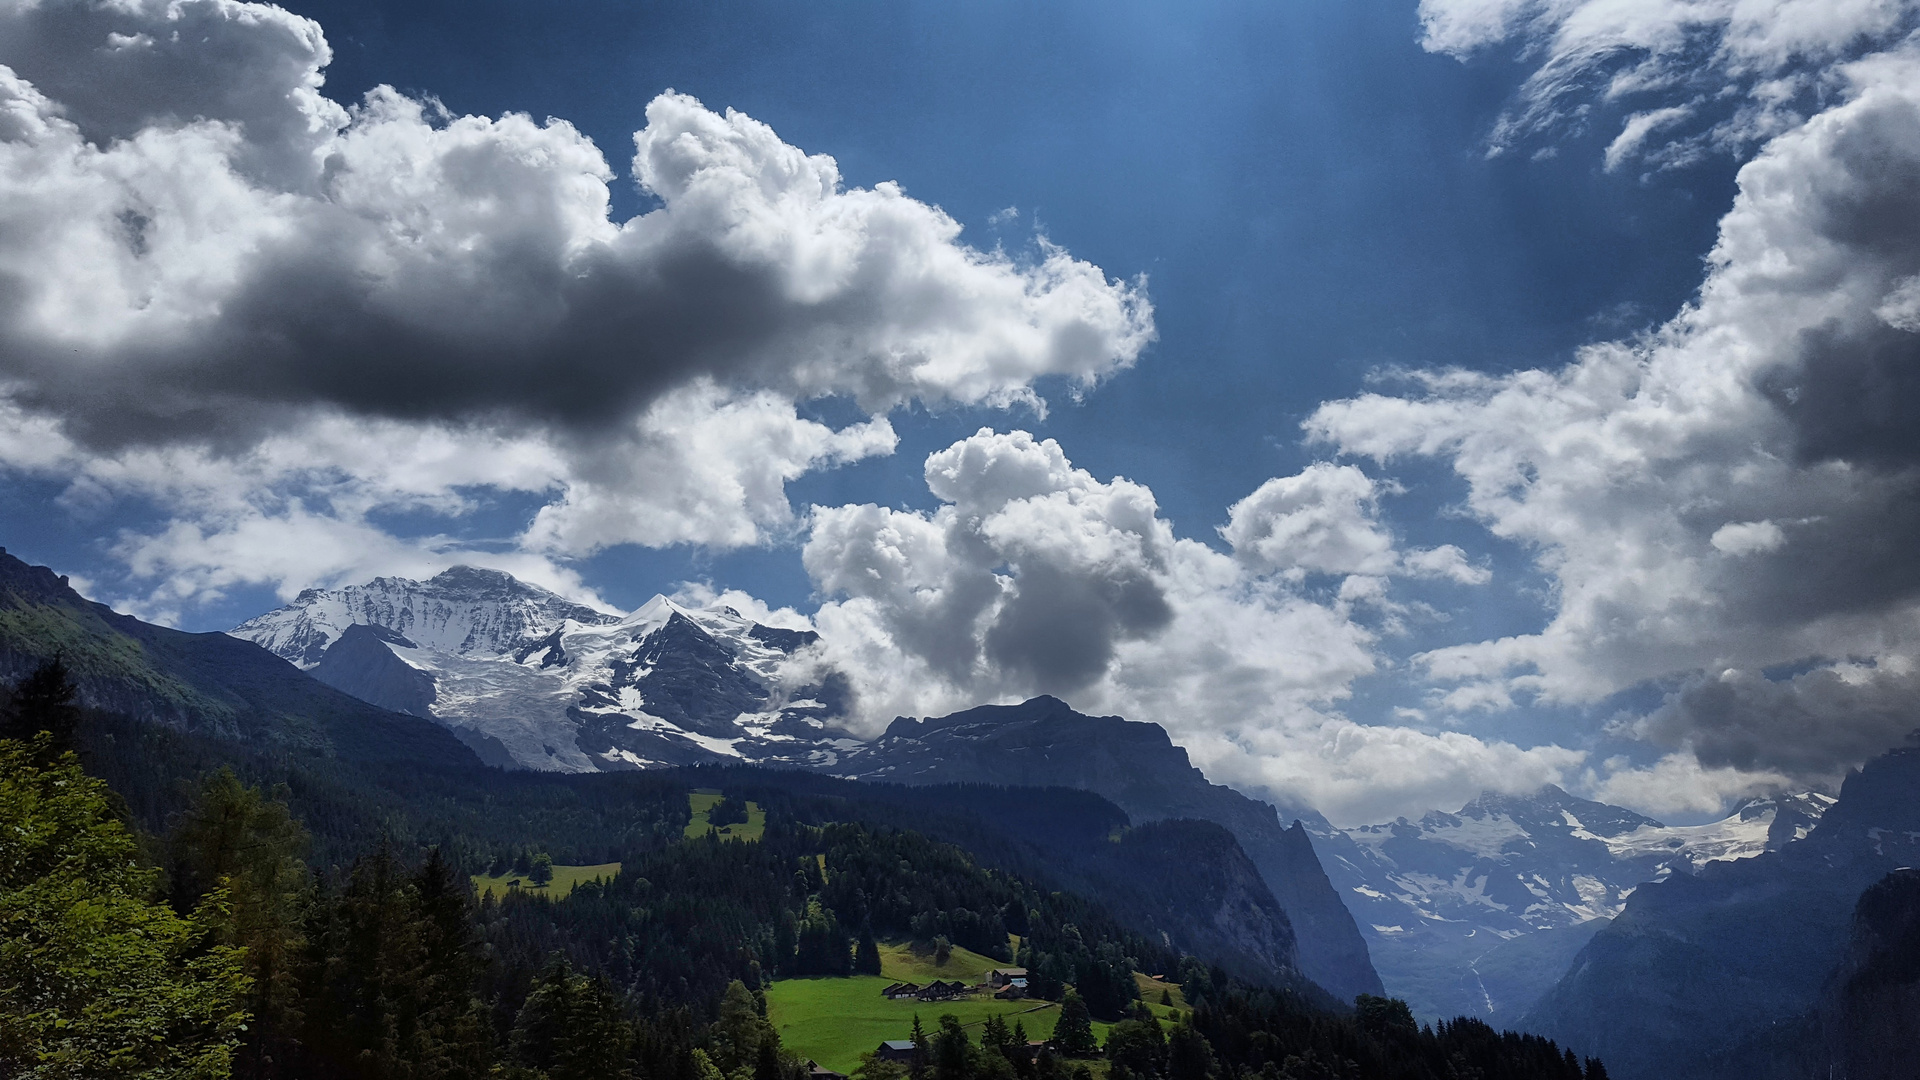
530	678
1477	912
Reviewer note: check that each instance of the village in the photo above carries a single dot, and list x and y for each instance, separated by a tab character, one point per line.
1005	984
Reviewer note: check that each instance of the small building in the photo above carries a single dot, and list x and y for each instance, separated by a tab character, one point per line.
1000	977
895	1050
942	991
1013	991
817	1071
899	991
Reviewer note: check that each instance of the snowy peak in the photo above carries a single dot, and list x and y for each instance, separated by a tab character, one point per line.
462	611
527	676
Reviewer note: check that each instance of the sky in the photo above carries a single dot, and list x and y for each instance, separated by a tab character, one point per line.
1394	400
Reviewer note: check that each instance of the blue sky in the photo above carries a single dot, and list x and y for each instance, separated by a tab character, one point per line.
1324	201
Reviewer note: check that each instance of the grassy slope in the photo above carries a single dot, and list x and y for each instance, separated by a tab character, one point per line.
564	879
834	1021
700	802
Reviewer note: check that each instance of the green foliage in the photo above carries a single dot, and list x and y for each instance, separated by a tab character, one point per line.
727	811
572	1027
391	968
1073	1035
97	978
43	702
866	954
1383	1016
235	839
540	872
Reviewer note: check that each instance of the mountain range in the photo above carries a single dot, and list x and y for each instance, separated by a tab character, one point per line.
1704	948
1721	973
529	678
1476	913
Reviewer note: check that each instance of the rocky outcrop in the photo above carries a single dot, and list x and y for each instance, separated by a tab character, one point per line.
359	663
1871	1008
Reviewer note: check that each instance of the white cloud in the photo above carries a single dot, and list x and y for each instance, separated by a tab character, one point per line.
1733	491
1679	784
1748	537
1325	520
1033	576
268	312
1745	69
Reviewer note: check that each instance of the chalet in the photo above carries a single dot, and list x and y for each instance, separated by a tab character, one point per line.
941	991
817	1071
894	1050
1013	991
1000	977
901	991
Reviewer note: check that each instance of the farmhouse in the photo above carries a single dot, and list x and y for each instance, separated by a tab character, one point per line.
894	1050
900	991
1000	977
942	991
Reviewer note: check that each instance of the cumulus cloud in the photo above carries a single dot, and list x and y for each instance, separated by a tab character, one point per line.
1735	490
1741	71
1033	576
1326	520
201	255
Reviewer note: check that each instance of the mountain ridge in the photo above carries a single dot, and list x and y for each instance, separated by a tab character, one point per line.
212	682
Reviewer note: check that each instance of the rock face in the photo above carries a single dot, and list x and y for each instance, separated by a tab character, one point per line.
205	682
1478	913
1043	742
1700	969
1871	1009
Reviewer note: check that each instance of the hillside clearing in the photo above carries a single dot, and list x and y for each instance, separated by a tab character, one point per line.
564	880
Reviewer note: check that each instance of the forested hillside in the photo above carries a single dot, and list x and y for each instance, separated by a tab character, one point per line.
323	924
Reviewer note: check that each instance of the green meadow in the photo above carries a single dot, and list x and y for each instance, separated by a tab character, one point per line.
701	803
834	1021
564	879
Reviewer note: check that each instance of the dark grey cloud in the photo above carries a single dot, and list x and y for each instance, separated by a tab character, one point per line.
1811	727
197	242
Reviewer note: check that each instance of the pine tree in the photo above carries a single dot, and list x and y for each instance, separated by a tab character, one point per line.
44	701
232	837
1073	1035
866	955
922	1051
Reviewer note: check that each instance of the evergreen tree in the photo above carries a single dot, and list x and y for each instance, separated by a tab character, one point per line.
44	701
1073	1035
571	1027
736	1036
1189	1055
866	955
922	1062
96	978
233	838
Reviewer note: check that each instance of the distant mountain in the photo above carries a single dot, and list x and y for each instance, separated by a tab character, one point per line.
557	685
1705	973
1478	913
208	683
1043	742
